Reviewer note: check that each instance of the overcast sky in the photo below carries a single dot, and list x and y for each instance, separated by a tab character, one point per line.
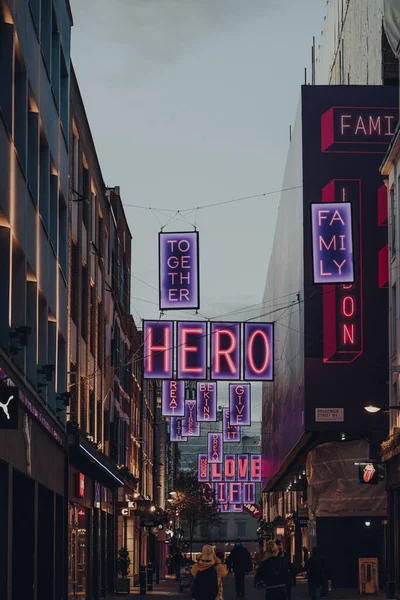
189	103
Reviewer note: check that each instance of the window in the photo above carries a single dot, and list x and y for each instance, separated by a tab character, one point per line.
393	327
44	181
6	71
85	302
53	215
241	528
223	529
63	234
85	193
35	12
75	272
64	96
33	148
20	111
46	31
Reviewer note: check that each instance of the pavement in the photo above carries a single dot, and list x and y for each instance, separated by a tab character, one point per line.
168	589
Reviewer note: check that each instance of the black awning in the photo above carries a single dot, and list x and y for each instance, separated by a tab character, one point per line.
92	462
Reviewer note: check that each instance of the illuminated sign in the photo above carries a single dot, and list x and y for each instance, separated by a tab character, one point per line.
176	433
8	407
225	351
208	492
191	352
173	398
239	404
206	401
158	349
342	304
258	351
332	242
237	508
179	270
80	478
357	129
231	433
216	472
215	448
243	467
203	468
249	492
221	493
229	467
371	473
190	426
225	508
255	467
235	493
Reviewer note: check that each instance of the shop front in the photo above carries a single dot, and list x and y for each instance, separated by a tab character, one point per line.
393	526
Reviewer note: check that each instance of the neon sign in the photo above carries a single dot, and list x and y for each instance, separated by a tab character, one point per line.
231	433
216	472
249	493
179	270
243	467
221	494
239	404
230	467
206	401
158	344
176	430
258	344
203	468
173	398
190	426
332	242
357	129
215	448
342	304
225	351
255	467
235	493
192	350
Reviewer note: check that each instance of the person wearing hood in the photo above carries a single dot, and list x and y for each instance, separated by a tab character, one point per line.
208	573
274	574
240	561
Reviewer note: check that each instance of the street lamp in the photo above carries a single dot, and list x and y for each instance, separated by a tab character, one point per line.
374	408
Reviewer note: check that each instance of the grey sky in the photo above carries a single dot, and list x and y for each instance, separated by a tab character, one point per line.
189	103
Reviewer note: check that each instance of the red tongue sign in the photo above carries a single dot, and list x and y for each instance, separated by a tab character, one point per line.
368	473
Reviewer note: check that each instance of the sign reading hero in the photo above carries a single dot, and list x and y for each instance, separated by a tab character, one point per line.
179	270
332	242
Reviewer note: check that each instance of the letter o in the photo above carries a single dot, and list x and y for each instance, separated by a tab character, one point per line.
348	306
180	245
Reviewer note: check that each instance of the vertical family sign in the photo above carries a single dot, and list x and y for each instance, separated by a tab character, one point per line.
179	270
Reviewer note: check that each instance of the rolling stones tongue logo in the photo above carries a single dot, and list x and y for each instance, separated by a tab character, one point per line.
368	473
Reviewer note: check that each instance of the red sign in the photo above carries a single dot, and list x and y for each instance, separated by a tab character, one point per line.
80	488
253	509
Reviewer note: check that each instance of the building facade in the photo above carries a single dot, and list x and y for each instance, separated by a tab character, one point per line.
34	132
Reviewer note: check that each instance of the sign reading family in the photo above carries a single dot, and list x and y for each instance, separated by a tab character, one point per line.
332	242
179	270
231	353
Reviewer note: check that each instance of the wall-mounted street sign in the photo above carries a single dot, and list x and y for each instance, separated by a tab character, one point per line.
179	273
329	415
8	407
332	242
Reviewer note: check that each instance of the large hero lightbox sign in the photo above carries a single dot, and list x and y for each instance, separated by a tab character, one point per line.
229	355
332	242
179	270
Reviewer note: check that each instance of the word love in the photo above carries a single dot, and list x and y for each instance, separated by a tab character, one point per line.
332	242
232	467
179	270
221	341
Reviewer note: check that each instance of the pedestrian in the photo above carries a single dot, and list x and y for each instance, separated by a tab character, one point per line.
187	561
305	555
240	561
280	547
315	575
274	574
208	573
178	561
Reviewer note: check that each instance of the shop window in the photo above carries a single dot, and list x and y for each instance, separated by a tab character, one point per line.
45	543
23	530
3	529
78	540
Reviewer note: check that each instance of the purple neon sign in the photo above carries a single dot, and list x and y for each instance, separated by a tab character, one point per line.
224	508
215	448
176	430
225	351
203	468
249	493
237	508
229	467
191	352
239	404
158	345
190	426
243	467
255	467
332	242
216	472
259	351
206	401
231	432
179	270
173	398
235	493
221	492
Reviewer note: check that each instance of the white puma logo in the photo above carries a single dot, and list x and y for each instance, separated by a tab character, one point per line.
5	407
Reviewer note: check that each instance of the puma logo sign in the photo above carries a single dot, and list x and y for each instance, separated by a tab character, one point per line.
5	407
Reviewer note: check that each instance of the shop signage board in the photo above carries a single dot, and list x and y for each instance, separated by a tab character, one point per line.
179	270
8	407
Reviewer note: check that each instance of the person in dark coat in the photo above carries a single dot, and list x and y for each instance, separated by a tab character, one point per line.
274	574
315	575
240	561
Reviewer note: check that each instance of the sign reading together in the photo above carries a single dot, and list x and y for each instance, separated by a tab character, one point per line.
179	270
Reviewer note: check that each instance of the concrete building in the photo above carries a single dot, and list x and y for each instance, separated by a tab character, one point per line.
34	132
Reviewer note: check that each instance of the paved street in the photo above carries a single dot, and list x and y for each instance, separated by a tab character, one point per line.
170	589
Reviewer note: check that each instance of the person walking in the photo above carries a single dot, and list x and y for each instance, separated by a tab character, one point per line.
315	575
208	573
240	561
274	574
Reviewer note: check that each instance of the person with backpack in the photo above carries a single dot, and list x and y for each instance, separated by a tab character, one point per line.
315	575
208	573
274	574
240	561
